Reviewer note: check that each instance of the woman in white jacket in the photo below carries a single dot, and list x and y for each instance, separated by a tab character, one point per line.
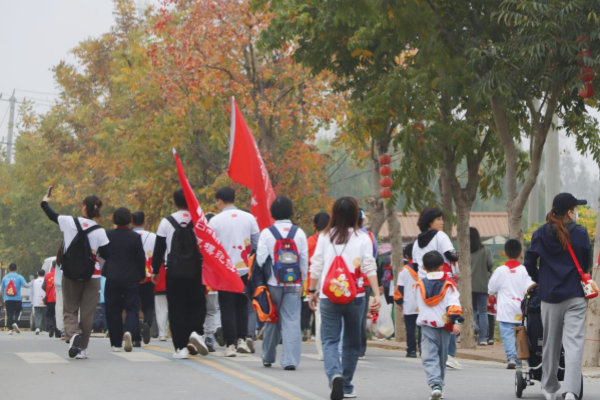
342	238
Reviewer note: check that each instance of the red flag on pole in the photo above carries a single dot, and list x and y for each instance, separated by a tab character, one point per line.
218	271
247	168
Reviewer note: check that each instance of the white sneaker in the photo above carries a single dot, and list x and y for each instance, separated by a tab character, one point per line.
230	351
199	343
37	331
16	328
182	354
548	396
162	339
250	344
350	395
320	358
453	363
10	332
436	393
117	349
83	355
242	347
362	357
570	396
127	343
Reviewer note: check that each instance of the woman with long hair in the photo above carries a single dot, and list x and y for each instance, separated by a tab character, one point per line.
80	297
344	243
563	301
481	268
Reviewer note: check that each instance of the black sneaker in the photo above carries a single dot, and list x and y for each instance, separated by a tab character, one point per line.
290	368
266	364
51	333
74	345
219	337
137	344
145	332
411	354
337	388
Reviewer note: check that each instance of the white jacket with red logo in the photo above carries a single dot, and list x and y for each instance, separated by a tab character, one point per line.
511	282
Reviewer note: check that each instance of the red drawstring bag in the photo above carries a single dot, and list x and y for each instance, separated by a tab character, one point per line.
340	284
11	290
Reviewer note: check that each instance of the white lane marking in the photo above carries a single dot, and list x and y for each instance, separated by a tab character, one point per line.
42	358
137	356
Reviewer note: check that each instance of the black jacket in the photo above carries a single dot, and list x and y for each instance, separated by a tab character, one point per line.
128	260
557	274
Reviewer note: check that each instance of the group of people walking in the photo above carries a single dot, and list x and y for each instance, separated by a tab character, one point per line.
333	273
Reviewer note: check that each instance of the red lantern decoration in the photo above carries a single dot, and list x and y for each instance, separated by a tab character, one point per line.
385	193
385	170
385	159
587	92
386	182
586	74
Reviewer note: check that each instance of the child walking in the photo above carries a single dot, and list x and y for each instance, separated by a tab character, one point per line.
511	281
406	298
440	315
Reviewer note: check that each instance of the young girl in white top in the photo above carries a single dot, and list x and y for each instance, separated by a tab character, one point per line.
352	251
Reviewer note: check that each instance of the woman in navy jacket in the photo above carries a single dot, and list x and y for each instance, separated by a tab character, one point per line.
563	301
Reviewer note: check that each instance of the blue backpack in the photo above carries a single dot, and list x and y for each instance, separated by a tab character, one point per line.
286	267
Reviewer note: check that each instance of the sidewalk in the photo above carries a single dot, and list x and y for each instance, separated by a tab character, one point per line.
481	353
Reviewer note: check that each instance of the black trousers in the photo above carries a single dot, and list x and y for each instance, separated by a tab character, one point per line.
187	308
305	316
13	312
234	315
50	316
410	321
491	326
147	302
121	296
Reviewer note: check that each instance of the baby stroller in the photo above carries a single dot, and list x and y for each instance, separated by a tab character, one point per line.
532	321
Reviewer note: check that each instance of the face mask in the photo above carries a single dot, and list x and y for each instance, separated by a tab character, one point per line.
575	215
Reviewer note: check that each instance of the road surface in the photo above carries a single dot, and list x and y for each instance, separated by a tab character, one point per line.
38	367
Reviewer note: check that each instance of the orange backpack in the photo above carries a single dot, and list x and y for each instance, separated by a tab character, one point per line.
340	284
264	306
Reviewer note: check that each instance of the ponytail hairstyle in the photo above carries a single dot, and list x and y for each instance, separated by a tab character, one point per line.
558	220
344	216
92	207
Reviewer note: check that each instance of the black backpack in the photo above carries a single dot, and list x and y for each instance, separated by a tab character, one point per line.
78	262
184	260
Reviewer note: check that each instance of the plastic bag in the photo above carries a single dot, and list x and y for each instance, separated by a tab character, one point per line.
384	328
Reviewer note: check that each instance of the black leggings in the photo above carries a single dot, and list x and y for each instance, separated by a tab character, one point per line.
187	308
13	312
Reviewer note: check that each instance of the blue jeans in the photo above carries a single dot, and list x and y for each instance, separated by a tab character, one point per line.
480	318
331	330
452	345
363	322
508	339
289	307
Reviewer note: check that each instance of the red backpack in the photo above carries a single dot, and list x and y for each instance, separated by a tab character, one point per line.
340	284
11	289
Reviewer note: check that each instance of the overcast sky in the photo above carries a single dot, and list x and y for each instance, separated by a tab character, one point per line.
37	34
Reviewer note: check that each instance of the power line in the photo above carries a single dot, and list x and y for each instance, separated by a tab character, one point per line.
29	91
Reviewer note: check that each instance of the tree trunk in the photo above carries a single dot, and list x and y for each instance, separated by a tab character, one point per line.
447	201
591	351
397	265
463	213
377	216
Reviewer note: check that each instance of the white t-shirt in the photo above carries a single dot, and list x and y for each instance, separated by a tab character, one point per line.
266	247
148	240
436	316
440	243
166	230
511	283
37	293
97	238
357	253
406	279
235	229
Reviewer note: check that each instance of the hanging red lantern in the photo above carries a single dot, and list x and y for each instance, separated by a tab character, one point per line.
385	159
587	92
385	193
386	182
385	170
586	74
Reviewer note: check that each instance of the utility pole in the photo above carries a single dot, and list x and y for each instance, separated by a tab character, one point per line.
11	122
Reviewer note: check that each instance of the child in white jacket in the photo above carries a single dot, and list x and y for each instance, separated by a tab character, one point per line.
511	281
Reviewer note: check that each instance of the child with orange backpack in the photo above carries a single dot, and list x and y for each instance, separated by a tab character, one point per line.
406	298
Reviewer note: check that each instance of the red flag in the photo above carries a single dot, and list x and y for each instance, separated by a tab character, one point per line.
218	271
247	168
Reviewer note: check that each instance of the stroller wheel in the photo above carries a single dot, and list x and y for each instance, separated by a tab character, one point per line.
520	384
581	391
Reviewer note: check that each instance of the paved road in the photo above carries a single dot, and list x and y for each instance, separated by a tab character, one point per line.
37	367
